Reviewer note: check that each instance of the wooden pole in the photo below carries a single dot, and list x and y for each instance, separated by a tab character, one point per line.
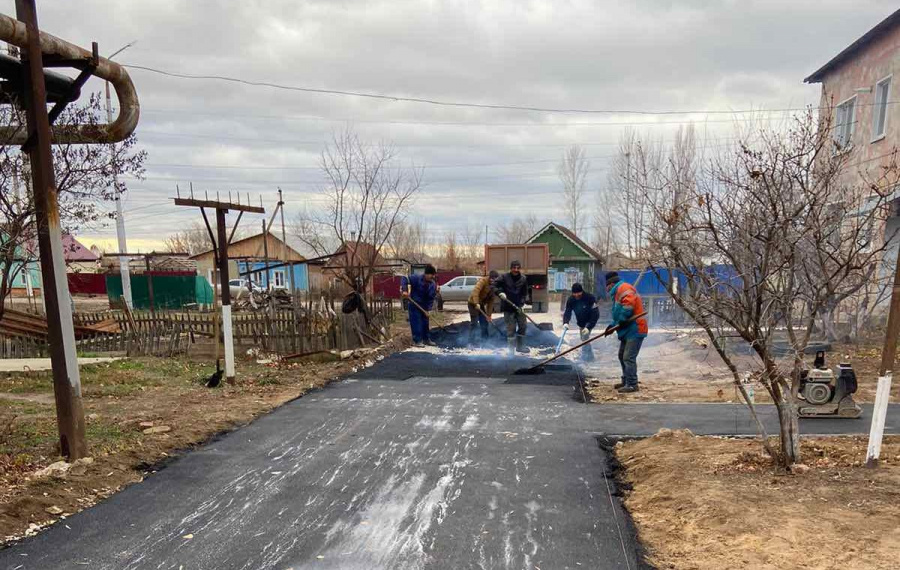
228	336
150	288
55	290
889	350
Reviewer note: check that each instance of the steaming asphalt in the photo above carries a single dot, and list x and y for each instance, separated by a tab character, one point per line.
424	461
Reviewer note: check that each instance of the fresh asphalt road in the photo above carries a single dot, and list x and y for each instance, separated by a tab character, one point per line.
440	469
423	461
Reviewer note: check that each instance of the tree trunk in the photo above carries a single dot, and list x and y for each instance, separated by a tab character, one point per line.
789	430
828	324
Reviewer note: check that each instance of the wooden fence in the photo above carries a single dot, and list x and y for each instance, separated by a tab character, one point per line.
311	326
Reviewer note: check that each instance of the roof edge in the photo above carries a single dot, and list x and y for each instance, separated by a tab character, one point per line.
880	28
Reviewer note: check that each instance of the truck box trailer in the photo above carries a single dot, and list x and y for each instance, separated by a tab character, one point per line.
535	260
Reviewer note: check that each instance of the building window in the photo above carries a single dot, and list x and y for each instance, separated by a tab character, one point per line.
279	279
879	111
845	115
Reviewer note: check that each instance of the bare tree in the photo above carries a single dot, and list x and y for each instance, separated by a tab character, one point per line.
193	240
84	180
573	172
450	257
408	240
366	194
472	246
763	236
518	230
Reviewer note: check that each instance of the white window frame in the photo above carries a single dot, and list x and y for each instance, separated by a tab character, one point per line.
875	108
846	146
278	275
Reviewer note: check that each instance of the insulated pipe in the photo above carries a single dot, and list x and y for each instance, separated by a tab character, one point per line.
14	32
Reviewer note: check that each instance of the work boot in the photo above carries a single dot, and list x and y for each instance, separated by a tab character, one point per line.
627	389
520	344
511	346
430	342
619	385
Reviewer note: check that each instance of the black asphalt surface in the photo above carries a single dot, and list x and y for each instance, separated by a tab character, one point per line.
420	462
423	461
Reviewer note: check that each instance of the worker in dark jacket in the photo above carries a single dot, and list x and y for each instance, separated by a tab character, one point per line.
422	289
584	307
481	301
512	288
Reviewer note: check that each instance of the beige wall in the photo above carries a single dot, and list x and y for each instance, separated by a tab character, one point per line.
878	60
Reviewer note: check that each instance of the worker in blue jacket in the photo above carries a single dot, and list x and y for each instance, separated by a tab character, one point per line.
584	306
422	289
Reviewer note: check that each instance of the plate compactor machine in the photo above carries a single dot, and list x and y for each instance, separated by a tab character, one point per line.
825	395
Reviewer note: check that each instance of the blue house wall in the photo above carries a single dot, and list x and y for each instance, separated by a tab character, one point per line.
301	274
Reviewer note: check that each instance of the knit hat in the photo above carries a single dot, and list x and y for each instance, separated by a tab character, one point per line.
612	277
577	288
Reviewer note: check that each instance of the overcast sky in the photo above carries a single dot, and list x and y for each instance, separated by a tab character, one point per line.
480	165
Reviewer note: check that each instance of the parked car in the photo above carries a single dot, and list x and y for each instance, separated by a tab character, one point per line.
239	288
458	288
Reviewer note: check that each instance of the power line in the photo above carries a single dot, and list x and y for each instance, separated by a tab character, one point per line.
230	115
443	103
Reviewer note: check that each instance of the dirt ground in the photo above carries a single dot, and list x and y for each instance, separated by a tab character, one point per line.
682	367
710	503
139	412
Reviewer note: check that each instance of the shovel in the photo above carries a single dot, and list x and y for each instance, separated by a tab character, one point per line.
540	326
428	316
488	318
539	367
562	337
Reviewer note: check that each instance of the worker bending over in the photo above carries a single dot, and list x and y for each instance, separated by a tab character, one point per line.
481	302
627	303
512	288
584	307
422	289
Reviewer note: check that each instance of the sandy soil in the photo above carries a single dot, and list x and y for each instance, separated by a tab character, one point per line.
678	366
708	503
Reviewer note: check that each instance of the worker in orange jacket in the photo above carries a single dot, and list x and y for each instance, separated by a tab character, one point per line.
626	304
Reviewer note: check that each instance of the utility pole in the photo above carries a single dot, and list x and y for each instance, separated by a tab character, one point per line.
60	330
284	255
220	247
124	262
265	237
889	350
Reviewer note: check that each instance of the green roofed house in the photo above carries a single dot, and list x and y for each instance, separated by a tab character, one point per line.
571	259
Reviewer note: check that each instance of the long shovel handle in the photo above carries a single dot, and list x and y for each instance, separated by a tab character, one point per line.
562	338
488	318
427	315
607	332
521	310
